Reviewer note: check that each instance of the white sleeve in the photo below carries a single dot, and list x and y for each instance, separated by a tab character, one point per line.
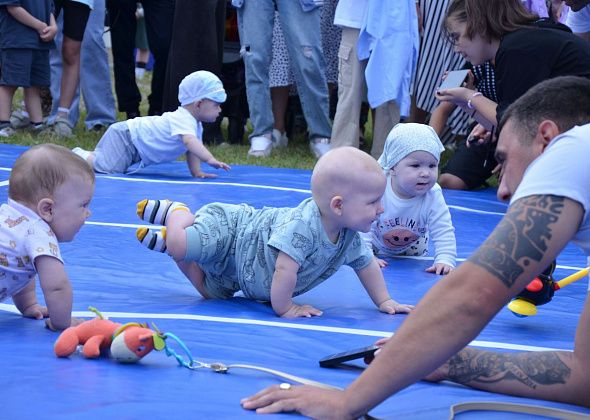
181	123
441	231
556	172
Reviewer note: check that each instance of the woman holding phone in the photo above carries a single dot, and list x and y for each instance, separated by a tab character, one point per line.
523	49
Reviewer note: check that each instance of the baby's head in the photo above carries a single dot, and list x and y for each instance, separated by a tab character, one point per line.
411	154
347	184
201	93
56	184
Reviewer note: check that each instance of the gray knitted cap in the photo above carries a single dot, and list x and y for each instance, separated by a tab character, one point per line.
406	138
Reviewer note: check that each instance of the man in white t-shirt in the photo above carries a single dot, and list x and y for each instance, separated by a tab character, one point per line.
542	137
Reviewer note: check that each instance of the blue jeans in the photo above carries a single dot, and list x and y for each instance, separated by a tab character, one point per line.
95	77
304	43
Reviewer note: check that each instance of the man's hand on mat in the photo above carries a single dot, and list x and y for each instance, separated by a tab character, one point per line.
299	311
36	311
307	400
391	307
382	263
439	268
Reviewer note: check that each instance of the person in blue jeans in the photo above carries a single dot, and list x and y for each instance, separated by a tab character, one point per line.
95	77
301	27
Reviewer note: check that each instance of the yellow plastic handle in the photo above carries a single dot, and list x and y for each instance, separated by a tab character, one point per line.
574	277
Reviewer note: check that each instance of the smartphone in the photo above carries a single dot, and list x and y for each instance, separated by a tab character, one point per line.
335	359
454	79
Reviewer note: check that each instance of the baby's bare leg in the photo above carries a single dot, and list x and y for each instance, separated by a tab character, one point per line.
193	272
176	224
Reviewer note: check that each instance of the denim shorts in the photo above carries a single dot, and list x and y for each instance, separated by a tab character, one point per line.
24	67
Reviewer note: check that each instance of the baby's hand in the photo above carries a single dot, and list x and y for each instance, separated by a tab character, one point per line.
391	307
299	311
205	175
217	164
382	263
440	268
36	311
74	322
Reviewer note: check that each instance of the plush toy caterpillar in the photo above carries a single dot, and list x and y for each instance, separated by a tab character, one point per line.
128	343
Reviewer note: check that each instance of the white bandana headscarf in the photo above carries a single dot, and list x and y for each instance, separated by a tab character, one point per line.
406	138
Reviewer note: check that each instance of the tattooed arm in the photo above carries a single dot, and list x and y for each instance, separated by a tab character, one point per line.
531	234
534	230
555	375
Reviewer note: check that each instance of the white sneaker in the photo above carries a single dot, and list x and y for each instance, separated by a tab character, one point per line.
81	152
61	127
260	146
6	131
279	140
19	120
319	146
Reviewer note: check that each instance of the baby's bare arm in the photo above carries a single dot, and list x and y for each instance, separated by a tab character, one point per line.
201	154
372	279
282	287
56	289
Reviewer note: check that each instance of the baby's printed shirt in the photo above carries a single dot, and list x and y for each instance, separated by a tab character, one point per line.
408	226
257	237
23	237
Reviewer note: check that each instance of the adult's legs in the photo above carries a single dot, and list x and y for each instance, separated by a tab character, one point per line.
159	18
386	116
280	99
95	74
255	22
123	27
351	91
304	43
75	17
203	21
56	64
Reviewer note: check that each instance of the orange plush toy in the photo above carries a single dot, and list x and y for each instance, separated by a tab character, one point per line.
131	341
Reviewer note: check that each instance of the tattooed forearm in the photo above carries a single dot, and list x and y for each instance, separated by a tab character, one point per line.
531	369
521	236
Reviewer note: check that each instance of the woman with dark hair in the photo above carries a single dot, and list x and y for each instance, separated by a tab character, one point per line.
523	49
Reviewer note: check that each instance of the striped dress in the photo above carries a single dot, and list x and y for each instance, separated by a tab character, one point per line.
436	54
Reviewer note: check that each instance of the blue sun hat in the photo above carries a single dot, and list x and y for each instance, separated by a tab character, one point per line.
201	85
406	138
